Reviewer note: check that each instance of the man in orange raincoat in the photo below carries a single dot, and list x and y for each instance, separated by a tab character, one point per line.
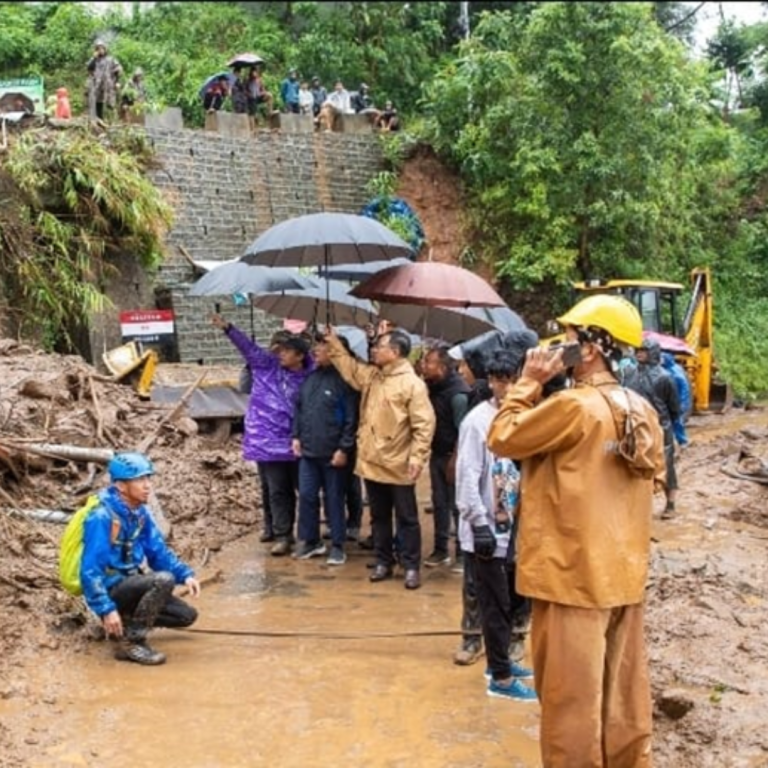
591	456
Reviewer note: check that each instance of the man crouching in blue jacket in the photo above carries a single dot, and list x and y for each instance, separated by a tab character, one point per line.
118	537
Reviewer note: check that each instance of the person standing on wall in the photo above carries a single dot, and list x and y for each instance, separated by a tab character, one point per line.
289	92
104	73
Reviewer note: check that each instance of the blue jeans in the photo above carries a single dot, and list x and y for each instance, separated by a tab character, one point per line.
314	474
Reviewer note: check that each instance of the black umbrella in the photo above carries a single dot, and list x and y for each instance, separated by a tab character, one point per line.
340	307
451	324
239	277
322	239
213	78
245	60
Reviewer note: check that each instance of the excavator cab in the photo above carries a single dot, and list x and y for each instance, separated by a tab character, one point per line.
660	305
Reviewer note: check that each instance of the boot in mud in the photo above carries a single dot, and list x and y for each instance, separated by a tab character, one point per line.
139	652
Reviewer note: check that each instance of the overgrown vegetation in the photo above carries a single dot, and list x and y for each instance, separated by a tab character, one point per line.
79	199
594	145
591	141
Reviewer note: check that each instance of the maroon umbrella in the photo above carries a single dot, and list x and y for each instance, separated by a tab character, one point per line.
669	343
429	283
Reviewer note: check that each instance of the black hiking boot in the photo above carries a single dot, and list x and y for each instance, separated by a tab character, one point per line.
139	652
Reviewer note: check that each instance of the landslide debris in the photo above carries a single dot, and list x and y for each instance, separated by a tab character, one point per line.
206	494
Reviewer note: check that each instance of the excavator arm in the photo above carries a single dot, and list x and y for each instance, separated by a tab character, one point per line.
708	394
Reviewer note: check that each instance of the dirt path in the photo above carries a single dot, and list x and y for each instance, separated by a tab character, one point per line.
251	701
255	701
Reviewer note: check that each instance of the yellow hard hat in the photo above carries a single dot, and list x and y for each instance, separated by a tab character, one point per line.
613	314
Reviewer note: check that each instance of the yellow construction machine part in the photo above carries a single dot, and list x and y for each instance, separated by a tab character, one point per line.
130	365
659	303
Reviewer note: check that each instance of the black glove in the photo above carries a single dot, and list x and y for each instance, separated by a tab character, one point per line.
485	541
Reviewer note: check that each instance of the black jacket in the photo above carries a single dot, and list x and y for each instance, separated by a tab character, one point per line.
441	395
326	414
657	386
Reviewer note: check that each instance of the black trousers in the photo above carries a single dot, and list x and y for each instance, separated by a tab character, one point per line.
384	498
282	483
147	600
265	505
354	499
502	610
471	623
443	501
213	101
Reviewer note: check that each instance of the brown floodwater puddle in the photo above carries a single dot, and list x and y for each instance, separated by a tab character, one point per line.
230	700
244	700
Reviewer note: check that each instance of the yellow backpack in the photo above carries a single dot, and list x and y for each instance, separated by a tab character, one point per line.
71	548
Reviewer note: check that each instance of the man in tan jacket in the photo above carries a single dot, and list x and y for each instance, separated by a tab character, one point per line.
591	456
393	442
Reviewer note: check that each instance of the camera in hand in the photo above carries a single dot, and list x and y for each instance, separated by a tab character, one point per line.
571	352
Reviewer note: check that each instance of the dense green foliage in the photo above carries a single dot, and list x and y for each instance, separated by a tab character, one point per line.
394	47
594	144
591	141
81	200
580	130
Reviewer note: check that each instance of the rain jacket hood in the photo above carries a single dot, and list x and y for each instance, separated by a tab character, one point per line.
653	348
656	385
676	371
274	392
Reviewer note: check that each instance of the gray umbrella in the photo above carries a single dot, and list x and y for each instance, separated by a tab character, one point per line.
451	324
357	272
331	296
238	277
322	239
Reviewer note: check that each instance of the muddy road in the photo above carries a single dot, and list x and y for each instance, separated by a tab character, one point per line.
237	696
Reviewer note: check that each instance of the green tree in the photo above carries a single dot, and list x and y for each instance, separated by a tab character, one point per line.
678	19
730	51
17	34
574	127
79	199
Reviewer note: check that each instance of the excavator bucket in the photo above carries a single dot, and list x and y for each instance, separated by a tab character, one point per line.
720	397
129	365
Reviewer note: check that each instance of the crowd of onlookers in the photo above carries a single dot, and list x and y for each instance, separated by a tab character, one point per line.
247	94
242	89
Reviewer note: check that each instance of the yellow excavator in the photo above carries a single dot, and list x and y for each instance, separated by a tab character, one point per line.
660	306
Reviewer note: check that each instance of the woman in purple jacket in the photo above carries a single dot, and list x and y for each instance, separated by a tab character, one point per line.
277	377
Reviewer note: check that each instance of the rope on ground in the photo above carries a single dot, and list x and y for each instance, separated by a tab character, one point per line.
317	634
731	468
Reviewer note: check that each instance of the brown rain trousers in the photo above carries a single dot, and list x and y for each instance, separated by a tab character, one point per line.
592	679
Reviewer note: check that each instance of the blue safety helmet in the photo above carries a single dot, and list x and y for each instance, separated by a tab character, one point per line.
130	466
